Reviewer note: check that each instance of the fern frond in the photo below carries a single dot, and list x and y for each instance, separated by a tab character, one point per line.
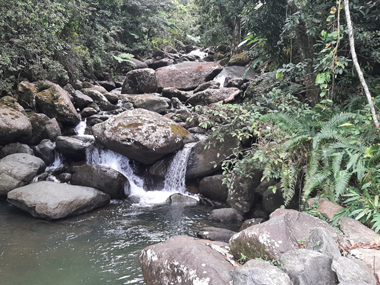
337	120
341	182
289	144
327	134
337	162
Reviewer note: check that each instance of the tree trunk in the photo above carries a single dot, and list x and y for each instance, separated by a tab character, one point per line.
236	38
356	63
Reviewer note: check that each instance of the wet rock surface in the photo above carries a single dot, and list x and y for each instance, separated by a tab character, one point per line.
14	126
50	200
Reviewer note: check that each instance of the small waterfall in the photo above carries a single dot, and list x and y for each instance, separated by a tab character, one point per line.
81	127
175	177
199	53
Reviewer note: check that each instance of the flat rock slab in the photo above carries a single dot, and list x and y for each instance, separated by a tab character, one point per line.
186	75
141	135
17	170
50	200
186	260
210	96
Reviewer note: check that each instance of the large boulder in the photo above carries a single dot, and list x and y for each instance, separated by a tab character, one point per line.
141	135
103	178
15	148
280	234
356	232
234	72
308	267
240	59
12	102
43	127
204	161
352	270
210	96
14	126
226	215
140	81
26	94
81	100
212	187
55	102
100	99
74	147
186	260
241	193
151	102
186	75
17	170
259	272
50	200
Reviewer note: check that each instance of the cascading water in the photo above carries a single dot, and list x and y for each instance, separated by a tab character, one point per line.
175	176
174	180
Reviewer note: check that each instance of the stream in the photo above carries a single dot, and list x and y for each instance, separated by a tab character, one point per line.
100	247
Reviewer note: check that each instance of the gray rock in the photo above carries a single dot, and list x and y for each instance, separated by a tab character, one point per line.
241	193
259	272
232	72
160	63
212	187
251	222
81	100
99	99
112	97
308	267
26	94
321	240
172	92
280	234
108	85
186	260
17	170
204	162
215	234
226	215
210	96
54	101
140	81
272	201
46	151
88	111
74	147
186	75
141	135
49	200
236	82
43	127
352	270
356	232
12	102
15	148
207	85
183	200
102	178
155	179
151	102
14	126
368	256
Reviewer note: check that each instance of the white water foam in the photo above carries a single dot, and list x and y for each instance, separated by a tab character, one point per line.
81	127
199	53
175	176
121	163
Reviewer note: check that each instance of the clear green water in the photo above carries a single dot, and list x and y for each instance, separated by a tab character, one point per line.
101	247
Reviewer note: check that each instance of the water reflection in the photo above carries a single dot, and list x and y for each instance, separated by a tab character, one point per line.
101	247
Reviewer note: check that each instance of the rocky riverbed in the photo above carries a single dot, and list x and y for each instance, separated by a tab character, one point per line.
136	126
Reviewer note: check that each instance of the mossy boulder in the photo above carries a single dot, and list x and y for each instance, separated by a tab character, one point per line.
26	94
55	102
141	135
14	126
240	59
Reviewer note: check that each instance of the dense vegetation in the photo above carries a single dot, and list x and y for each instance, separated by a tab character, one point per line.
320	140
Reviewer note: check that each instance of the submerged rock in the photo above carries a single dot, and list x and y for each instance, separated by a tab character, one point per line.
215	234
17	170
186	260
50	200
141	135
180	199
103	178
